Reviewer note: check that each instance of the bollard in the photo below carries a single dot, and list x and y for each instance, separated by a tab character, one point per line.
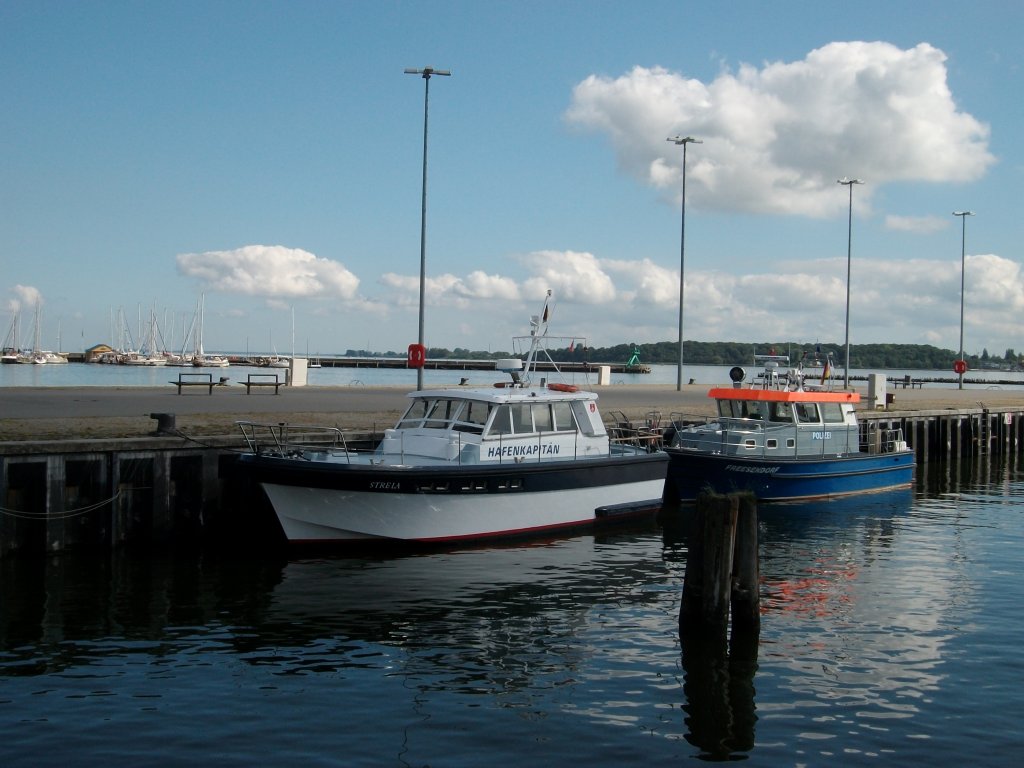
164	423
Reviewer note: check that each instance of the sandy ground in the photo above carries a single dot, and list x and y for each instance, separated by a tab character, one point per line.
48	413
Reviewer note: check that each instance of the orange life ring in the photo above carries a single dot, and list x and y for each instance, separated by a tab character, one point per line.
563	387
417	356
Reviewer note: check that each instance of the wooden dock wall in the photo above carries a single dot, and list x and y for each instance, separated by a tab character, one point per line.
162	491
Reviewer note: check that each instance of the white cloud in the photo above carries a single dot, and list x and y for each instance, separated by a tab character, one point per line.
776	138
24	296
272	271
574	277
915	301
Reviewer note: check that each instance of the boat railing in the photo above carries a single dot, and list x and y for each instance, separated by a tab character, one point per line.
881	438
753	437
646	434
292	440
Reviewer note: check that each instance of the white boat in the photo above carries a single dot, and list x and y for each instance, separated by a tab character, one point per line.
37	356
200	359
462	463
149	353
11	351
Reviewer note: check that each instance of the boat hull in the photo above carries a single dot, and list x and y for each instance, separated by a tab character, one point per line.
349	502
691	472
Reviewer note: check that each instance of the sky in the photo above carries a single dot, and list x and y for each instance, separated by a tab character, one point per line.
266	159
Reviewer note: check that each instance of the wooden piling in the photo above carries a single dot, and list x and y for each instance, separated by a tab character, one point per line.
722	568
745	600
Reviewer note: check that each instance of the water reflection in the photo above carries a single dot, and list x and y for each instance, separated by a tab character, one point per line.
570	643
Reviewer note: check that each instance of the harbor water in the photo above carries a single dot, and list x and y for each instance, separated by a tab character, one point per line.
890	635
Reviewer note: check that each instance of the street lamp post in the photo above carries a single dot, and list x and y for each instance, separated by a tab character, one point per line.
849	244
425	73
683	140
963	251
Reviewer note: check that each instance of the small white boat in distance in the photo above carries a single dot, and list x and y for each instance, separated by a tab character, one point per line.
519	457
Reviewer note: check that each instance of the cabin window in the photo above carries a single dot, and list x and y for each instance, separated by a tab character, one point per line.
542	417
832	413
807	413
562	413
781	412
730	409
751	409
771	442
516	418
522	418
415	414
472	417
440	413
502	423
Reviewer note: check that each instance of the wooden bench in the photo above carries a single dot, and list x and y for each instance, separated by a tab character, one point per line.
907	382
197	380
262	380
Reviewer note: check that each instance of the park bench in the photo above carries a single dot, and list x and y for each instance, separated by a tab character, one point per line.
198	380
908	383
262	380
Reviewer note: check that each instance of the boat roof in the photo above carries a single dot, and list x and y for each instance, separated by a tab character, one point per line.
784	396
503	394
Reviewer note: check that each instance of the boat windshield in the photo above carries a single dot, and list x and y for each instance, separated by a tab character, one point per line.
741	409
446	413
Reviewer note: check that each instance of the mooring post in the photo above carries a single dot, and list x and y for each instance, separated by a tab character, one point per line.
706	586
722	568
746	599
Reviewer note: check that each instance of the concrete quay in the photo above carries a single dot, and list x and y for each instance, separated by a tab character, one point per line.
76	413
89	468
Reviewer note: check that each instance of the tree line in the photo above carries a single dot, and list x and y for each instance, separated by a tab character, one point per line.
911	356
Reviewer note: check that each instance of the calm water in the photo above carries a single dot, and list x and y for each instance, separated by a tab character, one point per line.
890	635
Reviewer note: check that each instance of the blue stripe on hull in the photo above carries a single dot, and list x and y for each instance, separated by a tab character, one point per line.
690	473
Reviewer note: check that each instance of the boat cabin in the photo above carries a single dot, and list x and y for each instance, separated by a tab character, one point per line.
478	426
777	424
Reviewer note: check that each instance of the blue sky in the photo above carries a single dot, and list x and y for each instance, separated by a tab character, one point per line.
269	155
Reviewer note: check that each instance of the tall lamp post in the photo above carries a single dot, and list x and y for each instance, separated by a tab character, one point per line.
849	244
683	140
425	73
963	251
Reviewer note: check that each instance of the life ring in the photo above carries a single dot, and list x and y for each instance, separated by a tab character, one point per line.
417	356
556	387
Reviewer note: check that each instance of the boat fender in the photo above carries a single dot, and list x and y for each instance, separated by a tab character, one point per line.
556	387
502	384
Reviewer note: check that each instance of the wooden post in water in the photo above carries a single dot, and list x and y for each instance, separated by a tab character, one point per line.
722	567
746	576
706	586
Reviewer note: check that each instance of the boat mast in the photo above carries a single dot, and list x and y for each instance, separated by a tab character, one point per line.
538	330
